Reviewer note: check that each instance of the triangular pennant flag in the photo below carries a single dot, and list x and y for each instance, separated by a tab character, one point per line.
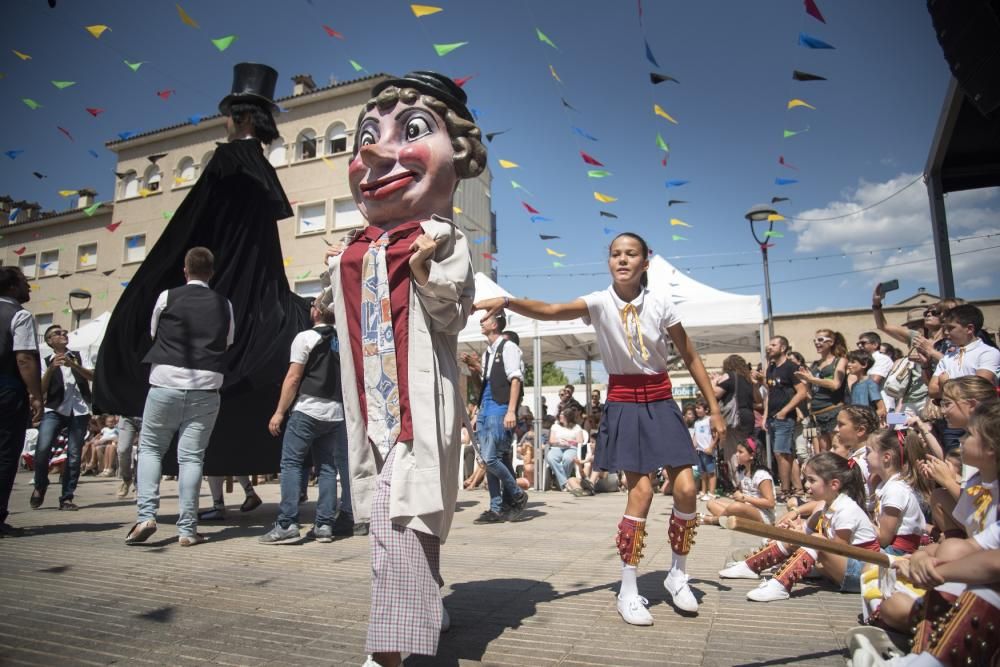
135	66
806	76
552	252
20	251
583	134
304	275
167	215
543	38
328	162
110	271
32	104
781	161
103	295
813	11
649	55
775	217
656	78
661	144
507	164
124	283
589	159
462	80
774	235
675	201
481	239
800	103
93	153
154	158
126	134
676	183
92	209
548	237
518	186
445	49
785	181
540	218
489	256
567	104
39	175
94	111
775	200
96	30
555	76
113	226
424	10
165	94
356	66
529	208
598	173
332	33
63	84
811	42
65	132
223	43
606	214
195	119
456	210
491	135
674	222
677	237
13	216
22	56
792	133
608	231
187	20
604	199
658	110
13	154
558	265
67	193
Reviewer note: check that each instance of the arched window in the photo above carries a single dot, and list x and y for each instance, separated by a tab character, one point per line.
151	180
130	185
336	138
186	171
276	153
305	145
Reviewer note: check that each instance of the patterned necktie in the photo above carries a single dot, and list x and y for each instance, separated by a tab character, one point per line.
379	349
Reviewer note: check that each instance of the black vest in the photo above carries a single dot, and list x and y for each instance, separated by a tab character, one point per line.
192	330
8	361
321	378
499	384
57	390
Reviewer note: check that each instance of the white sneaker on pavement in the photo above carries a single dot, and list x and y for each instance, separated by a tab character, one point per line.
633	610
680	592
738	570
768	591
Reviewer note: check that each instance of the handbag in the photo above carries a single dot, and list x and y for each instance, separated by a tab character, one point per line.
731	409
900	379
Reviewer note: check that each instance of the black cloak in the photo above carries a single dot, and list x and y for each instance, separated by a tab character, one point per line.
232	210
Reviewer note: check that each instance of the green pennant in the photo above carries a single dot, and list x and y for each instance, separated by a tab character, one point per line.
32	104
677	237
774	235
356	66
63	84
558	265
598	173
304	275
66	311
445	49
135	66
167	215
223	43
92	209
543	38
661	144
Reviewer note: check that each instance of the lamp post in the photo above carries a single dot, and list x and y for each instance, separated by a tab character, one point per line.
82	303
764	213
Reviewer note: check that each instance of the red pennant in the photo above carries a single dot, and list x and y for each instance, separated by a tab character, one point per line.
664	161
66	132
165	94
333	33
113	226
531	209
95	112
20	251
489	257
813	11
589	160
781	161
461	81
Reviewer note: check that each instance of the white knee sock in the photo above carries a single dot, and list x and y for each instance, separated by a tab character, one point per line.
629	585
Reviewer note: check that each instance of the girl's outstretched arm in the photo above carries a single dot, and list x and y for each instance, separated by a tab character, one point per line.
536	310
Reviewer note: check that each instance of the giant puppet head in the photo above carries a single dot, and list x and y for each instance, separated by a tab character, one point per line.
414	141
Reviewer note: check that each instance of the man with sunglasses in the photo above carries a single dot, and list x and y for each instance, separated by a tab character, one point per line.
870	342
66	392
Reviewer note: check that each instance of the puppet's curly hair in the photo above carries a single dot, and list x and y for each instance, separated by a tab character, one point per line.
466	138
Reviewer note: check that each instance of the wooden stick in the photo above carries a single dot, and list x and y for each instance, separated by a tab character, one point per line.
801	539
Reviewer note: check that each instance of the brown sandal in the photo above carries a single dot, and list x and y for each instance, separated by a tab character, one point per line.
140	532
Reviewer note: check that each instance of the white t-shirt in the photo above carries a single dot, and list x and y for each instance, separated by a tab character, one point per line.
750	486
989	538
560	436
108	433
859	458
896	493
975	356
323	409
845	514
882	365
656	314
22	329
965	509
703	433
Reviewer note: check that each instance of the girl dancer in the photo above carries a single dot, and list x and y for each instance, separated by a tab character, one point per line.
754	495
641	427
837	482
898	517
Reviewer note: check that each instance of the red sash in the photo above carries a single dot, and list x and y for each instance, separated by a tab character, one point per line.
639	388
870	546
907	543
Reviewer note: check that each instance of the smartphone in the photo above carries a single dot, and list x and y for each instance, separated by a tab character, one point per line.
890	286
895	418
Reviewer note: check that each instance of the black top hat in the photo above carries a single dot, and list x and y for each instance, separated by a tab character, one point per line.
435	85
253	83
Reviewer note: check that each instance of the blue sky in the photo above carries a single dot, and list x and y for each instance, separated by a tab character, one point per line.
867	137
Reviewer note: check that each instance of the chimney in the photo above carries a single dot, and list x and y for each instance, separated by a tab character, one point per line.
85	197
303	84
921	290
32	209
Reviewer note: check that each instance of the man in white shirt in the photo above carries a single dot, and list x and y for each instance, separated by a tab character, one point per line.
870	342
969	355
192	327
20	381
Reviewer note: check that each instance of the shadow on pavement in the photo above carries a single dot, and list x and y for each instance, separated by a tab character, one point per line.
793	659
57	529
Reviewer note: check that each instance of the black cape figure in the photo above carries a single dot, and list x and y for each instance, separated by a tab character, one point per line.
232	210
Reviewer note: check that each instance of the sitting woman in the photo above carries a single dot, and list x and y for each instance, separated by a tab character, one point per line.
564	438
754	496
526	452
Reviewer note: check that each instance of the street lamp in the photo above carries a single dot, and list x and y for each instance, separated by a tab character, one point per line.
82	303
764	213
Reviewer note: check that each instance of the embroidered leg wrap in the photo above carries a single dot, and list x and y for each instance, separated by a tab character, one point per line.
681	533
631	539
926	614
767	556
966	634
797	566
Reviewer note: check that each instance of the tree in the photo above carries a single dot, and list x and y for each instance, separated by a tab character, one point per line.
551	375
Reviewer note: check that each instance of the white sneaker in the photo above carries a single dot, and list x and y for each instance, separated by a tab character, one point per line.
633	610
738	570
705	497
680	592
768	591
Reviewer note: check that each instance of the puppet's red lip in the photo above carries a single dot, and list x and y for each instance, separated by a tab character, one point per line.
375	185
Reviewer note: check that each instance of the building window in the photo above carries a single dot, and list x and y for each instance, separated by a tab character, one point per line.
276	153
312	218
28	265
49	264
86	256
130	185
336	138
42	322
306	144
186	171
135	248
152	178
308	289
346	214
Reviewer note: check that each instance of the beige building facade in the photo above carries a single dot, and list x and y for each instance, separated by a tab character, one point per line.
99	249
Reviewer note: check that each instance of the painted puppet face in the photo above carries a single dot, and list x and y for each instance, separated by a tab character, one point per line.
403	170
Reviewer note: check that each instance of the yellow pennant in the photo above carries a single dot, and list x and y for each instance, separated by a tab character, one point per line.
604	198
658	110
674	222
554	253
22	56
507	164
287	261
67	193
457	210
424	10
96	30
185	18
800	103
328	162
775	217
554	75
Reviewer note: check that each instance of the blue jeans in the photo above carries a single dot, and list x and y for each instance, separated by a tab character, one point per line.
190	414
561	459
128	429
494	445
328	441
782	432
706	462
52	424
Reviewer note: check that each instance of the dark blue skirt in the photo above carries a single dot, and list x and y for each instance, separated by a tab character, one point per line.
643	437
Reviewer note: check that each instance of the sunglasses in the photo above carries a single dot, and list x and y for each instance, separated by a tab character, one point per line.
862	343
58	332
932	312
819	340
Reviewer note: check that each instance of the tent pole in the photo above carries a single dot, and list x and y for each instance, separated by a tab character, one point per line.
539	451
590	383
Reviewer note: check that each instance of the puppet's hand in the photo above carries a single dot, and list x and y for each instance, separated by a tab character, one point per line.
423	248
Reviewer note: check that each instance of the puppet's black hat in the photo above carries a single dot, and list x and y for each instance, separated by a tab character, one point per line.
435	85
253	83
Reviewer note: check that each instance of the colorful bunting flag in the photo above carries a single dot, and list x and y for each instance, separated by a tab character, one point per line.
93	153
529	208
356	66
332	33
781	161
792	133
606	214
92	209
775	217
558	265
677	237
649	55
518	186
608	231
555	76
39	175
775	200
32	104
567	104
589	159
456	210
489	256
675	201
223	43
66	132
124	283
22	56
543	38
63	84
304	275
135	66
14	153
674	222
676	183
658	110
94	111
507	164
20	251
785	181
661	144
67	193
774	235
185	18
656	78
800	103
165	94
584	134
598	173
548	237
445	49
813	11
604	199
167	215
491	135
113	226
96	30
552	252
806	76
462	80
811	42
424	10
481	239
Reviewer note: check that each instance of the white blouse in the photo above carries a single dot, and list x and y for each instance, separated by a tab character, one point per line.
629	331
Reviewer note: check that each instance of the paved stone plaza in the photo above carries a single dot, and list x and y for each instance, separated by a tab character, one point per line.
537	592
